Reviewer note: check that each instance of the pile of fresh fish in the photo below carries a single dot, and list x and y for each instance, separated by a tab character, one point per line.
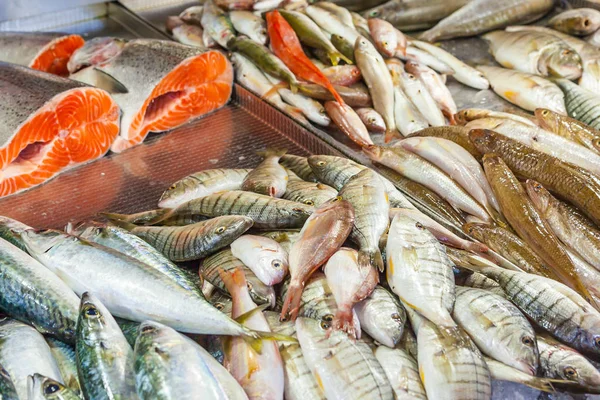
320	277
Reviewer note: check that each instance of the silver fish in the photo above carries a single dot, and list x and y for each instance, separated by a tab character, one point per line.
416	54
372	120
408	118
382	317
246	23
65	357
436	86
422	99
330	23
268	178
216	24
403	373
263	255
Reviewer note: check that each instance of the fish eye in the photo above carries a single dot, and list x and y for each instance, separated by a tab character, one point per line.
284	319
220	229
373	13
147	329
586	22
597	341
51	388
396	317
570	372
309	202
249	285
276	264
91	311
321	163
172	187
545	113
419	225
527	340
325	325
327	317
219	306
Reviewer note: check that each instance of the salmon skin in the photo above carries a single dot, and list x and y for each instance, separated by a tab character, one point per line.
168	84
44	51
49	124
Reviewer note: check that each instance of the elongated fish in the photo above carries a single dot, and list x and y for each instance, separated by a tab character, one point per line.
578	22
419	95
402	372
43	51
414	15
104	358
330	22
568	127
456	134
24	352
480	16
408	118
313	194
90	267
34	295
346	368
372	119
436	86
158	99
525	90
346	119
34	145
419	271
355	96
470	114
66	359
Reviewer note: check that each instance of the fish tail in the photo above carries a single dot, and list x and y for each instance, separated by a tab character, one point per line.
117	220
450	115
291	304
335	94
389	134
162	217
273	91
344	321
335	57
371	257
256	338
233	279
271	151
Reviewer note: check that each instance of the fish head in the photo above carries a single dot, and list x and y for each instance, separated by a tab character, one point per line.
322	163
274	264
260	293
176	194
222	303
525	346
475	229
538	194
547	119
469	114
95	323
576	368
564	63
39	242
374	152
154	339
229	227
42	387
483	139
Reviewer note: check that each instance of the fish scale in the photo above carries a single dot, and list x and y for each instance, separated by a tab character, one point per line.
298	165
402	372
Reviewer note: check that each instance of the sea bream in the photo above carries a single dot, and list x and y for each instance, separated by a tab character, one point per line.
44	51
167	85
49	124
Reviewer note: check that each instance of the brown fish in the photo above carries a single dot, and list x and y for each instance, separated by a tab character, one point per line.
568	127
528	223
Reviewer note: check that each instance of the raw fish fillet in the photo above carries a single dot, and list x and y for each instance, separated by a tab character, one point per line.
48	124
167	85
44	51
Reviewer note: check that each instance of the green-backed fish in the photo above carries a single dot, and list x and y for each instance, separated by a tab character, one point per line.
216	23
43	388
7	387
65	357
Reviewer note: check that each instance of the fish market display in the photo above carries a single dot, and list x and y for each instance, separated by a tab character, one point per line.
44	51
48	125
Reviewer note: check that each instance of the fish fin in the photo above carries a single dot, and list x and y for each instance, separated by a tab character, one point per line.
255	339
273	91
546	385
271	151
292	300
233	279
344	321
245	316
116	220
371	257
336	56
450	117
389	135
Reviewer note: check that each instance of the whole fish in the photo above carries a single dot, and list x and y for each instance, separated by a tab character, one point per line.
65	357
344	46
33	294
497	327
462	72
329	22
341	13
382	317
456	134
299	166
216	24
311	35
379	82
422	99
544	141
264	256
104	358
367	194
582	104
568	127
414	15
266	212
299	381
310	108
388	39
261	56
480	16
41	387
578	22
535	53
436	87
574	229
154	294
354	96
310	193
190	35
350	283
562	362
168	366
525	90
502	372
528	223
192	242
343	75
132	245
260	374
224	259
565	180
509	246
346	119
372	119
403	373
268	178
418	169
425	58
24	352
346	368
419	271
321	236
471	114
408	118
202	184
246	23
450	364
551	305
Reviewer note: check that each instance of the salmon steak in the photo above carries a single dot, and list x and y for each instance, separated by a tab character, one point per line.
167	84
49	124
44	51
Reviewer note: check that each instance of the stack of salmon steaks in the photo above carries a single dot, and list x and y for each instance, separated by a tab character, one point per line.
64	101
